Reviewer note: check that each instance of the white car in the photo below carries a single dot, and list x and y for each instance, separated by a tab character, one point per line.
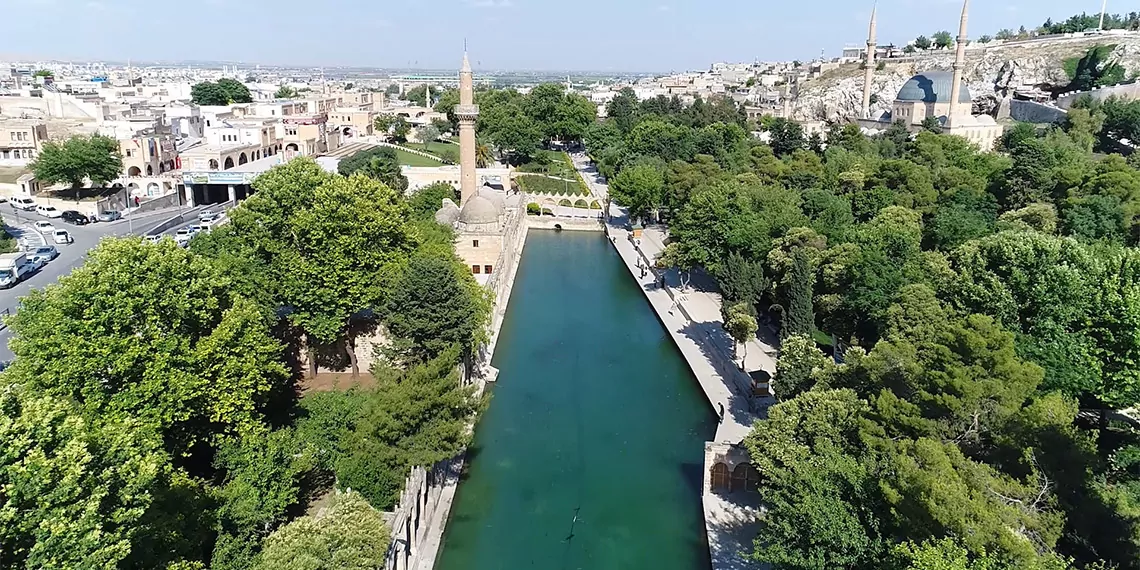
49	211
61	237
153	238
183	236
44	226
22	203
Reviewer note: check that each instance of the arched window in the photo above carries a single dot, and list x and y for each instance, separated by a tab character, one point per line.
213	164
229	163
745	477
720	477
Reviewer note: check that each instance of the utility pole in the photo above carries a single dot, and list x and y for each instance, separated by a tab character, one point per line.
1103	6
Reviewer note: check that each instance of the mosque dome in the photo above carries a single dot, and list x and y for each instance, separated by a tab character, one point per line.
448	214
932	87
479	210
495	197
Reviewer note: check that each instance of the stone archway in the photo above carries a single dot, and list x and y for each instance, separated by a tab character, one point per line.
745	477
213	164
242	158
153	189
134	171
149	170
229	163
291	147
719	480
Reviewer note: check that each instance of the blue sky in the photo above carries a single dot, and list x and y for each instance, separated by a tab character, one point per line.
617	35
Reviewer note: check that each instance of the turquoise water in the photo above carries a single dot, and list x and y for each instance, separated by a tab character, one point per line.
590	455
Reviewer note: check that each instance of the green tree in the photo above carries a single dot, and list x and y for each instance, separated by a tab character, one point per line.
942	40
742	280
209	93
741	326
78	159
345	534
378	163
787	136
640	188
922	42
236	91
417	95
75	491
401	128
436	304
428	133
155	333
330	246
801	315
622	109
427	200
799	359
383	123
285	92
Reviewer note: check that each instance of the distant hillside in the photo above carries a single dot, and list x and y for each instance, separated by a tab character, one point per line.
990	73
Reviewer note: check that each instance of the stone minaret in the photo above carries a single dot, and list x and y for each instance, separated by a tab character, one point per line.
869	68
467	112
959	65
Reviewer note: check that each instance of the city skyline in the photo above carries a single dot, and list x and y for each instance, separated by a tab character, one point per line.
638	35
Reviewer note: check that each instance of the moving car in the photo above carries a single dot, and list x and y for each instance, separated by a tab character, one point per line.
45	252
35	264
153	238
73	217
61	237
22	203
43	226
109	216
49	211
208	216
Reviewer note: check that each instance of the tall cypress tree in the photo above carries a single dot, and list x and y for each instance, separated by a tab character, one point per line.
801	316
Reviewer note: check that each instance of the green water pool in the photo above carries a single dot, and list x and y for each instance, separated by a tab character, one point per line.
590	454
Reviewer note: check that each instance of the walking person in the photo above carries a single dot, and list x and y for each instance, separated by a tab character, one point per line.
720	406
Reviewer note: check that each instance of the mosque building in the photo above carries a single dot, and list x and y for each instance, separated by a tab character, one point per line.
936	94
482	219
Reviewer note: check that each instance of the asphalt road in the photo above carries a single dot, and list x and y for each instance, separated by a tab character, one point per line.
19	225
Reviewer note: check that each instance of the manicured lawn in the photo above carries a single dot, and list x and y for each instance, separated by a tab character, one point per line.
434	147
543	185
408	159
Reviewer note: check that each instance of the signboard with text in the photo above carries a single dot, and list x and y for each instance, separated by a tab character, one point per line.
218	177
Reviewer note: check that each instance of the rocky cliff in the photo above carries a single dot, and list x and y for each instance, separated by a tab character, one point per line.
990	73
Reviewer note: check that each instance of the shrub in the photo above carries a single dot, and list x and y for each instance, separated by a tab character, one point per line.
532	209
564	202
580	203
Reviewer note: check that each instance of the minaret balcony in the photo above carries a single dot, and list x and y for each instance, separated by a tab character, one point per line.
467	112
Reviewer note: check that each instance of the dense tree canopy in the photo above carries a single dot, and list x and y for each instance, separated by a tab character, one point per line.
77	160
222	92
982	298
153	418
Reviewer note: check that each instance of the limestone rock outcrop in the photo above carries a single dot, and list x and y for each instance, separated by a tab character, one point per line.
991	73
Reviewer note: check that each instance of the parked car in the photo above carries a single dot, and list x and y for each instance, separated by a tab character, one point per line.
109	216
73	217
153	238
22	203
45	252
61	237
200	229
35	264
44	226
49	211
208	216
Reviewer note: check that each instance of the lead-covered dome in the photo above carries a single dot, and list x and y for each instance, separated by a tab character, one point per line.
479	210
932	87
448	214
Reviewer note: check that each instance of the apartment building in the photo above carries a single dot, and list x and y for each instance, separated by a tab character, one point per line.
148	155
21	140
352	122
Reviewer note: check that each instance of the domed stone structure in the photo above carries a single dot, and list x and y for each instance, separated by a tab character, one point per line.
937	95
495	197
448	214
479	213
932	87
